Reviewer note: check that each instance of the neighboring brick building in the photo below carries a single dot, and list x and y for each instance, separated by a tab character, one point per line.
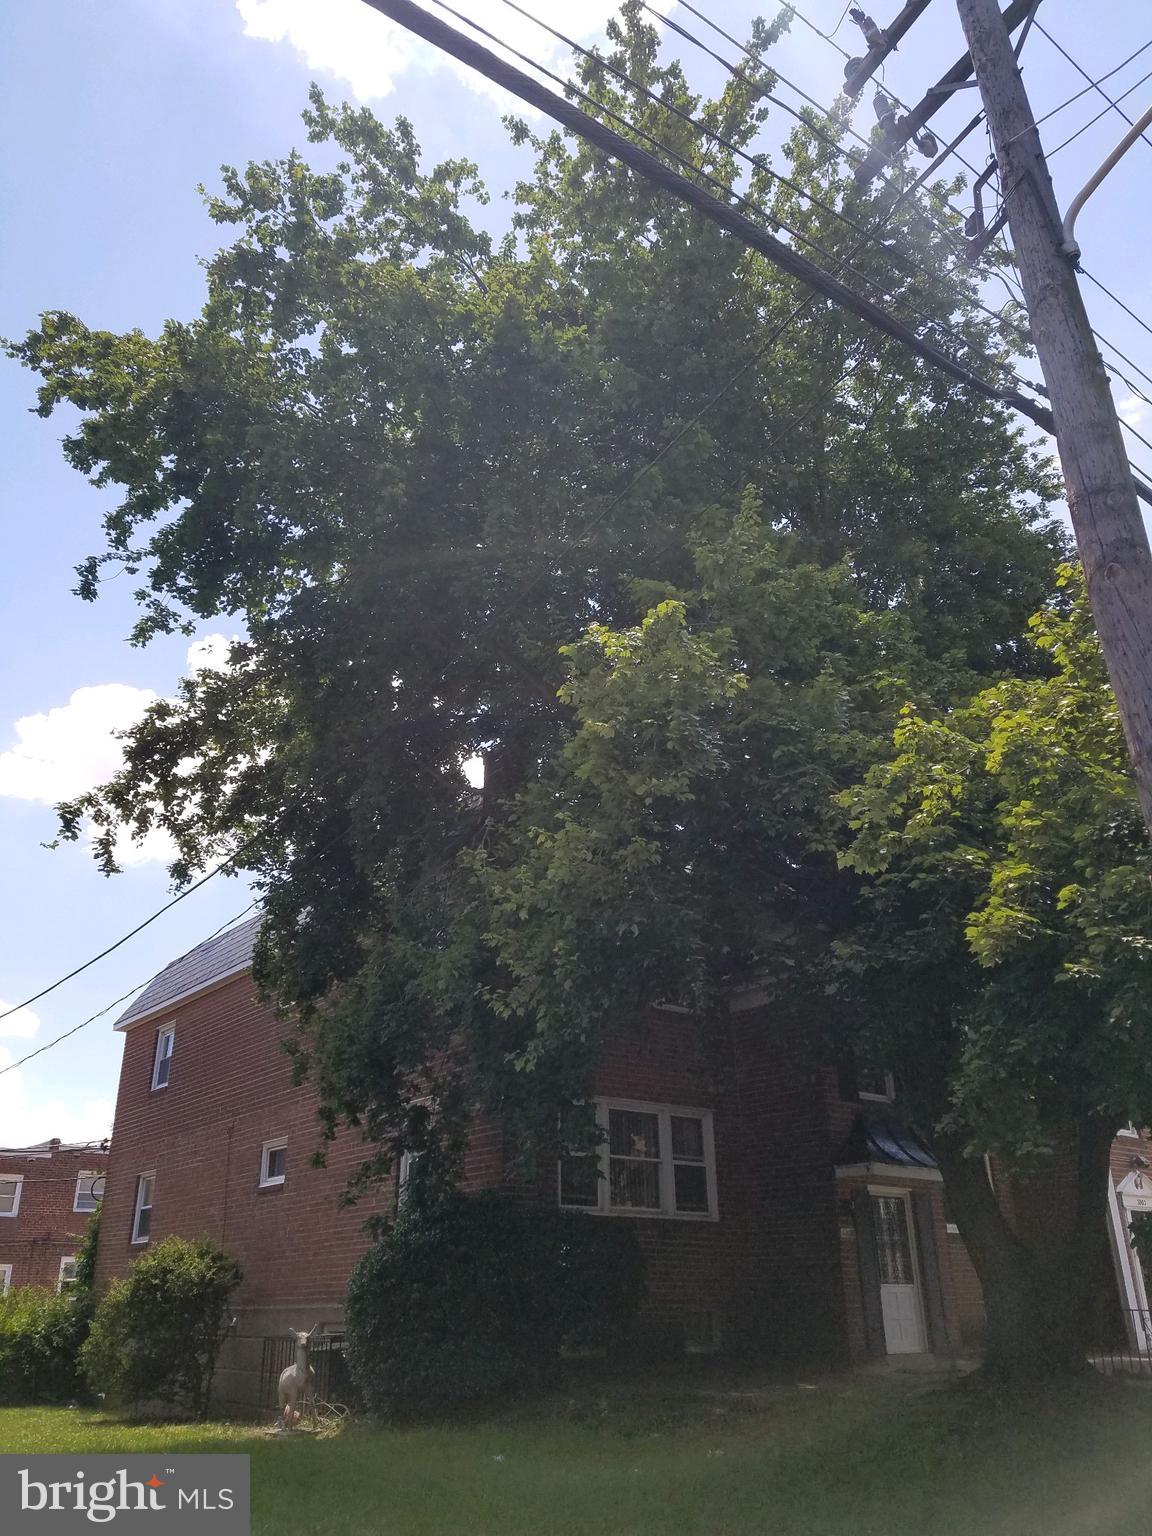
782	1209
47	1194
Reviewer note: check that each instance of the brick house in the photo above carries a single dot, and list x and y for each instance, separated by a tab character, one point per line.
47	1195
784	1211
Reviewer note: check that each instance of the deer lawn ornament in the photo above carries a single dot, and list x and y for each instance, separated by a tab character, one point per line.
297	1389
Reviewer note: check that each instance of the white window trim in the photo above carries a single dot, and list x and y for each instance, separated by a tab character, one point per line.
667	1211
86	1210
66	1258
887	1097
404	1173
277	1144
5	1279
167	1033
138	1206
18	1179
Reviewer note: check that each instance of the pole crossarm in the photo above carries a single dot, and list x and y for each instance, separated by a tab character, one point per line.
958	76
857	72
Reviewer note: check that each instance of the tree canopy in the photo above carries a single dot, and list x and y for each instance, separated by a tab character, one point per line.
1011	892
577	500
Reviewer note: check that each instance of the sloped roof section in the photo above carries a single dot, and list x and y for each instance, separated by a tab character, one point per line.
224	955
884	1141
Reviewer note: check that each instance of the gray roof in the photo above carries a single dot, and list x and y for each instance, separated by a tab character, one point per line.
217	957
50	1147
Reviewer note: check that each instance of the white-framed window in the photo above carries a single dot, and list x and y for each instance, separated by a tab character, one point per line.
874	1083
408	1160
162	1066
10	1187
67	1277
652	1160
5	1279
273	1162
142	1213
89	1189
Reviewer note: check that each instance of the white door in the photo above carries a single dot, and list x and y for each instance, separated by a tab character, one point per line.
896	1261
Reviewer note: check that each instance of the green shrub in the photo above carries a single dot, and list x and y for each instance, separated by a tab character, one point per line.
155	1335
475	1295
40	1335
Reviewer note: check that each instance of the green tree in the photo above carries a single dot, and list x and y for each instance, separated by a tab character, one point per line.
1005	942
155	1335
418	462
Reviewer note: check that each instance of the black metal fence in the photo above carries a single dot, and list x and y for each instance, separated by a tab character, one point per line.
1133	1356
326	1357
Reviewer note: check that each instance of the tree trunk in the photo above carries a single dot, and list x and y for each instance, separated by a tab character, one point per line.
1042	1274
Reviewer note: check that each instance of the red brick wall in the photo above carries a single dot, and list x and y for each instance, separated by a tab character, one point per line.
46	1228
767	1266
229	1091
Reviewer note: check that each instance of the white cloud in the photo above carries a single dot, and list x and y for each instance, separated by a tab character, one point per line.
26	1118
63	752
70	749
368	52
210	654
23	1023
1133	410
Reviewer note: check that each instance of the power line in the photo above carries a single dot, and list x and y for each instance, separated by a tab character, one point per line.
420	21
1131	312
760	62
756	162
131	934
1092	121
1093	84
949	149
454	43
131	992
1128	427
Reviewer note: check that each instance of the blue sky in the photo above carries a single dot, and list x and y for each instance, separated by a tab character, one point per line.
114	114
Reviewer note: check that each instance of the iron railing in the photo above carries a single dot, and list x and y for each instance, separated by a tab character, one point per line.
1132	1357
326	1357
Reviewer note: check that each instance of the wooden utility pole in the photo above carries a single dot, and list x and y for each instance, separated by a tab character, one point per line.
1102	499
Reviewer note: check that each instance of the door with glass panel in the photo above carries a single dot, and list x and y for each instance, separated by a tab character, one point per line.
896	1262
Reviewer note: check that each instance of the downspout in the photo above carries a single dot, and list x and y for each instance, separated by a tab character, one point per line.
227	1182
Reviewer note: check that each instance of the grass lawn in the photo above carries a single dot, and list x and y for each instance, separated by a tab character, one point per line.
852	1457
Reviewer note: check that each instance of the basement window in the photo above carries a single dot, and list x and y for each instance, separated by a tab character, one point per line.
703	1333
